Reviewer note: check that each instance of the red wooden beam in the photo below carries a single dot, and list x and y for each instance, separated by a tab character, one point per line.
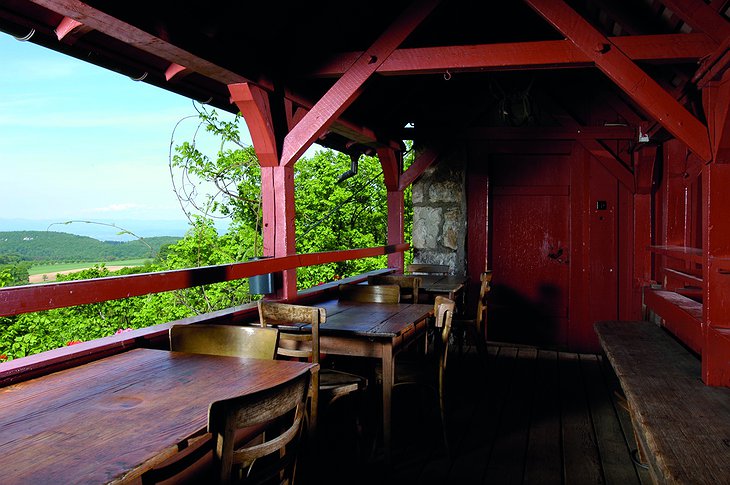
135	37
253	102
526	55
716	100
347	88
627	75
69	30
553	133
391	167
176	71
700	16
24	299
682	316
420	164
610	162
644	160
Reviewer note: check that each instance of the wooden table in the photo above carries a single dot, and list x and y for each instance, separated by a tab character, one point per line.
102	421
377	330
449	285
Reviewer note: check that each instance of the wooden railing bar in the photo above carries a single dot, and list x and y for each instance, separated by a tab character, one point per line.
25	299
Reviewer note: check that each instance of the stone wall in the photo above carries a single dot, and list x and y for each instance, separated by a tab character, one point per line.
439	214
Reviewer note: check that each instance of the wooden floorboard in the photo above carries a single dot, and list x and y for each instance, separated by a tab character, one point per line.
530	416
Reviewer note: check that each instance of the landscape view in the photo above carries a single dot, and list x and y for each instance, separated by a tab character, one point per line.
330	216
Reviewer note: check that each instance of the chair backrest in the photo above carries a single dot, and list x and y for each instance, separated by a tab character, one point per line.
230	340
428	268
370	293
444	311
192	464
276	456
484	288
303	344
409	285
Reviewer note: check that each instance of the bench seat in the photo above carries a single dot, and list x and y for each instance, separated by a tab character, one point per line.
683	426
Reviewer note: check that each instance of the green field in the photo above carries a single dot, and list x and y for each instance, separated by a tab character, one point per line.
58	267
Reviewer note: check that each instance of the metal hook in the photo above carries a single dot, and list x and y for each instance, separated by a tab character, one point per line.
26	37
140	78
447	75
207	101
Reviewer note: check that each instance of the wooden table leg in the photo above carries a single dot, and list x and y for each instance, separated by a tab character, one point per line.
388	379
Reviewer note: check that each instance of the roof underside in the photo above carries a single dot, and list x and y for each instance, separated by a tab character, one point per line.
510	68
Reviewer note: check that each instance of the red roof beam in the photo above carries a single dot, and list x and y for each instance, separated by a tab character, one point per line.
700	16
527	55
104	23
69	30
627	75
348	87
552	133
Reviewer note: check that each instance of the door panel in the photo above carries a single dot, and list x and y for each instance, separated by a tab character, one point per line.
530	264
530	249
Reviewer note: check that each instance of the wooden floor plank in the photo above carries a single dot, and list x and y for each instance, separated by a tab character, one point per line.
507	460
612	444
543	460
581	462
531	416
473	451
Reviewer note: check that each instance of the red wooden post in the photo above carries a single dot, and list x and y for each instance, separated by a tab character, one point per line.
391	164
716	231
395	227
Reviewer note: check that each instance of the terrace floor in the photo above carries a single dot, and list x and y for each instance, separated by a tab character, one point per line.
528	416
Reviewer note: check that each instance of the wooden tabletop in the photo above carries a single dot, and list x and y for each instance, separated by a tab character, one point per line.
96	422
373	320
441	283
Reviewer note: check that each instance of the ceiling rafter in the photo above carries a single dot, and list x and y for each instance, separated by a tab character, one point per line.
95	19
348	87
526	55
700	16
574	132
646	92
69	30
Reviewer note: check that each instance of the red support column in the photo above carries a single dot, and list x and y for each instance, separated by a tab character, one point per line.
716	231
716	274
644	175
396	228
277	198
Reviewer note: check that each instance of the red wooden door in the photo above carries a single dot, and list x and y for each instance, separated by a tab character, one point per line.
530	248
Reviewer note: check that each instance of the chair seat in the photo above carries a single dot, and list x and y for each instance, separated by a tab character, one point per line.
335	383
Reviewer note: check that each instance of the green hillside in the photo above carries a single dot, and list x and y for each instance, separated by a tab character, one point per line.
61	246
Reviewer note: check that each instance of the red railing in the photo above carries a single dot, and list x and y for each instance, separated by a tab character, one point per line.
24	299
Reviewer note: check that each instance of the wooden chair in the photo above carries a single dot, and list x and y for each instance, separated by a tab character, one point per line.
428	269
328	385
273	459
473	325
429	370
230	340
409	285
369	293
191	464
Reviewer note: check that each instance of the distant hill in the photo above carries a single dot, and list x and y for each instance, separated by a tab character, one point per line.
61	246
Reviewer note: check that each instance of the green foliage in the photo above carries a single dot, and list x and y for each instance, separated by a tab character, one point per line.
330	216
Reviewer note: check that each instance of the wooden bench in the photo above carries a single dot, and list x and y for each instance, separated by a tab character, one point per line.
682	425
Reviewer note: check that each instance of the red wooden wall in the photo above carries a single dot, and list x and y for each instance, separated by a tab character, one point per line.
560	244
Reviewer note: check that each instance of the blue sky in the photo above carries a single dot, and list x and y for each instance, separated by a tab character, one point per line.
78	142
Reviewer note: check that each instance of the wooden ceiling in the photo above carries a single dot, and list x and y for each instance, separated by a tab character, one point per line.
411	69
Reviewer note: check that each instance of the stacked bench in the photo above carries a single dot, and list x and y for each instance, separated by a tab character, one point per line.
682	426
